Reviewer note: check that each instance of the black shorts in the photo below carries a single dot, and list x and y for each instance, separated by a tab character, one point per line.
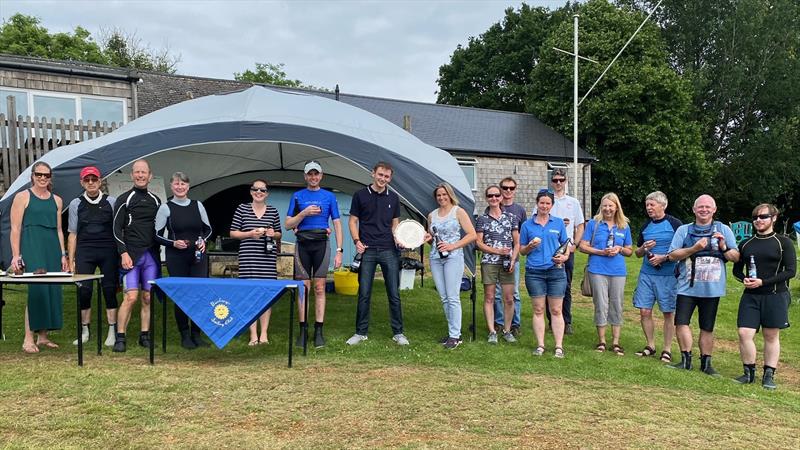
768	311
87	260
311	258
706	311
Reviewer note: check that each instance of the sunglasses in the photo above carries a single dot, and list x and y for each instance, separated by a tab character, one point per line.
42	175
255	189
508	188
90	179
559	180
493	195
762	217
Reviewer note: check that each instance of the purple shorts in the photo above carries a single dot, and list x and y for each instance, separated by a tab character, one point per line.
145	269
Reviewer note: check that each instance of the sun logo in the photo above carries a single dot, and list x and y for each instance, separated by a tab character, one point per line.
221	311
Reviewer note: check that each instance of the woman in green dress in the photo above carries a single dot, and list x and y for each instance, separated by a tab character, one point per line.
37	242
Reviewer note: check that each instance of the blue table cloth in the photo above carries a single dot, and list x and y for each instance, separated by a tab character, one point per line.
224	307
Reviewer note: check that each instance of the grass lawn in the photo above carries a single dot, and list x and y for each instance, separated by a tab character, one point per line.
380	395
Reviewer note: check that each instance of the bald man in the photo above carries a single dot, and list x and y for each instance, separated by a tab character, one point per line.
700	250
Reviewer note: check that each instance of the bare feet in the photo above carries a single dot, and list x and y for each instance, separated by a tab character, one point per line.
46	343
263	340
29	347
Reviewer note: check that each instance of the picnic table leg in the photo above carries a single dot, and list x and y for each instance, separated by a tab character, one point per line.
79	324
291	325
99	318
472	297
153	326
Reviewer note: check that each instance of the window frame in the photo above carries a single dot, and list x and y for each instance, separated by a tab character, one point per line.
30	93
473	163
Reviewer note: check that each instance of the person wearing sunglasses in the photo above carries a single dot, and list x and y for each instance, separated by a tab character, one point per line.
257	224
134	217
37	242
545	277
92	247
498	239
311	210
766	265
568	209
701	250
508	189
187	230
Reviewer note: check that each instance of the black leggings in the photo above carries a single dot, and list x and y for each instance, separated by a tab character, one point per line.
182	264
87	260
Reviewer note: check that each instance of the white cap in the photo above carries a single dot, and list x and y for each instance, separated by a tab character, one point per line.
312	165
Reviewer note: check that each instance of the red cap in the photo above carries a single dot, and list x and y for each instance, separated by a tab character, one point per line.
90	170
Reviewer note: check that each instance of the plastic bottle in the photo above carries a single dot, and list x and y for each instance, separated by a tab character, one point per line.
218	243
355	266
714	239
752	272
436	241
198	255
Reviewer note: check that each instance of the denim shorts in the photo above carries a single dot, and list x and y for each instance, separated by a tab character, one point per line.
550	282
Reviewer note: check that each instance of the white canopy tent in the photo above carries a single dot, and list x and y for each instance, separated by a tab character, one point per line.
218	138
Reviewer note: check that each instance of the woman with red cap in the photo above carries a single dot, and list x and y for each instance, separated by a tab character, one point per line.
91	246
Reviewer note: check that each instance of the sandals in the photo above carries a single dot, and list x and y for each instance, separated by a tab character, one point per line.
559	353
252	343
618	350
666	357
30	348
647	351
539	351
600	348
263	341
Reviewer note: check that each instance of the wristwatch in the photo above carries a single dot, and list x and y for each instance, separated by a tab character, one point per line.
339	250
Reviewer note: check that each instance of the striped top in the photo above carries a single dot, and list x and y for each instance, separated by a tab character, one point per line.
254	262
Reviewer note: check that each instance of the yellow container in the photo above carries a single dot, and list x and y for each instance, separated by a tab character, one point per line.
345	282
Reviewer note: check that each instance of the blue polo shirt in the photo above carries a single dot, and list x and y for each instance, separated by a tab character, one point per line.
375	212
552	234
661	231
612	266
324	199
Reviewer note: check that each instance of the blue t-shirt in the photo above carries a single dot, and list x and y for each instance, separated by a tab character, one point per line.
661	231
552	234
326	201
613	266
710	275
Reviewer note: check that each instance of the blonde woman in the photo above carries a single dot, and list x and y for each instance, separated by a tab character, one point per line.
607	239
447	223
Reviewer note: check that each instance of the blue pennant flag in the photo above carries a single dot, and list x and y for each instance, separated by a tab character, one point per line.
224	307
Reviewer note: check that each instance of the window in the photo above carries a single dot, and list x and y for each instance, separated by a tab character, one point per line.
56	105
21	102
469	166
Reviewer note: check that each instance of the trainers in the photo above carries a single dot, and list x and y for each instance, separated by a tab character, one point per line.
452	343
144	339
186	340
84	335
199	340
120	345
492	338
509	337
356	339
111	338
568	329
401	339
515	330
444	340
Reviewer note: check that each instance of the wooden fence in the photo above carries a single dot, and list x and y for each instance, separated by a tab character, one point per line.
23	140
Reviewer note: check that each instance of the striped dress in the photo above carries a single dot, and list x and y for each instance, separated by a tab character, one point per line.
254	262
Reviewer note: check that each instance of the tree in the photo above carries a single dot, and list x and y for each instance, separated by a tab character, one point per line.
125	49
637	121
493	70
741	58
23	35
268	73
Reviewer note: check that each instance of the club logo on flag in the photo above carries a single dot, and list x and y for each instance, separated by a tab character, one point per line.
222	312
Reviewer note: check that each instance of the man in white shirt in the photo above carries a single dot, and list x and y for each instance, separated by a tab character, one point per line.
568	209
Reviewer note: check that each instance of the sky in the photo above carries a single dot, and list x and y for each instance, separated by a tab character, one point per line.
387	48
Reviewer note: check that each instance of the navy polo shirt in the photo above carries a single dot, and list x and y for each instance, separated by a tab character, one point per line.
375	212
